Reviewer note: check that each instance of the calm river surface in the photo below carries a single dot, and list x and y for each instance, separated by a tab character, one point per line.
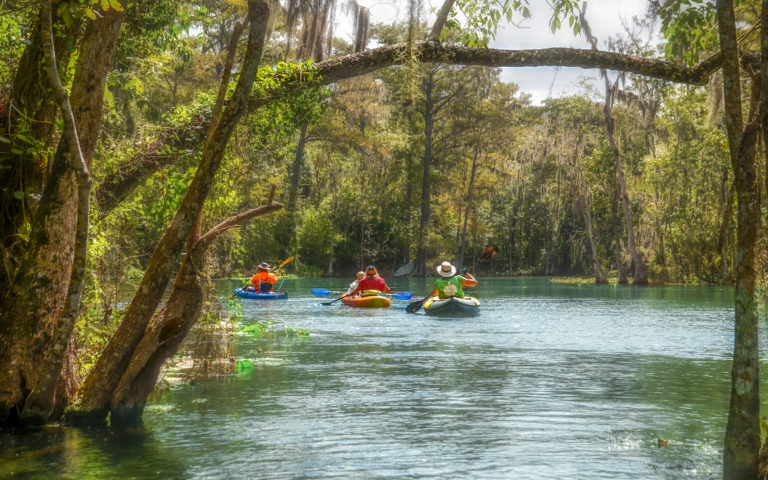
550	381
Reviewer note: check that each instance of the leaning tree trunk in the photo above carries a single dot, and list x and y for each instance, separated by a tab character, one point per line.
742	434
170	325
98	388
33	309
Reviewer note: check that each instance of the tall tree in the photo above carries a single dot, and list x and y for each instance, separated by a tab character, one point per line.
641	273
33	308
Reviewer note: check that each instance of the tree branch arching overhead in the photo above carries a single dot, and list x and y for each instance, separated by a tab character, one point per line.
154	158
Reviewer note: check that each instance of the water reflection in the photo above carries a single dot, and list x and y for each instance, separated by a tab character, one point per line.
551	381
69	453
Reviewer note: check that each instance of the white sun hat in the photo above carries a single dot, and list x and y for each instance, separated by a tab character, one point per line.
445	269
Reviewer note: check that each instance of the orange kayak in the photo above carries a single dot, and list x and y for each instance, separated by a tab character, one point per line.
368	301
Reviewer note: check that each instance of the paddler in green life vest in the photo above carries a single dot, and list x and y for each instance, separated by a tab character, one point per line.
449	284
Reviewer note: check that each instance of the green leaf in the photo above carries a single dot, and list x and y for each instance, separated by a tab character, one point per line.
18	195
116	5
105	5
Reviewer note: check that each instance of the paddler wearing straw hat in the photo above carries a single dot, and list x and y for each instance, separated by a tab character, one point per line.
263	279
449	284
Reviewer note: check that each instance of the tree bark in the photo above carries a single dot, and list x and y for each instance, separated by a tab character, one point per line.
742	434
32	311
32	112
170	325
41	401
97	390
442	17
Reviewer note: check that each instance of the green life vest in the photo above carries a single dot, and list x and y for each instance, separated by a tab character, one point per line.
449	287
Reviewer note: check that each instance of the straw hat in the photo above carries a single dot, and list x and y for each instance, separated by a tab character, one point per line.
445	269
263	266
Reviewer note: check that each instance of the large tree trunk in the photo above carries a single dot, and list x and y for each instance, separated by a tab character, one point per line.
170	325
33	308
41	401
33	114
426	182
742	434
98	388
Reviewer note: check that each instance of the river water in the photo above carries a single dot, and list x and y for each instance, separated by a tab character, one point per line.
550	381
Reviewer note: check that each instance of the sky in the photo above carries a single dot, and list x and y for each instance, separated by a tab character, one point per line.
604	16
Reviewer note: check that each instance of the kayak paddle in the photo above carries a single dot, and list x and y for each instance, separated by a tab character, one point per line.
320	292
414	306
401	295
286	262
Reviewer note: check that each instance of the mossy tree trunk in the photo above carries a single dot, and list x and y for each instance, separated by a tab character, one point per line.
33	309
96	393
742	434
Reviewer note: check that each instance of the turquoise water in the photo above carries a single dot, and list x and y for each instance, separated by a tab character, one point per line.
550	381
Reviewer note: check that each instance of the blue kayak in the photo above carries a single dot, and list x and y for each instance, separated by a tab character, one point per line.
260	296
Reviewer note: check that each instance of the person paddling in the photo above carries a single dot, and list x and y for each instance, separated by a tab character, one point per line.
449	284
372	281
263	279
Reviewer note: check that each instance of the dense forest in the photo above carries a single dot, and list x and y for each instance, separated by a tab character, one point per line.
136	162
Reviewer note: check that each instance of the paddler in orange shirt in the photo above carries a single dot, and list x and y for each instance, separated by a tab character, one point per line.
263	279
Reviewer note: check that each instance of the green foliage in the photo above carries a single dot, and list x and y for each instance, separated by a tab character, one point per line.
270	329
481	18
690	28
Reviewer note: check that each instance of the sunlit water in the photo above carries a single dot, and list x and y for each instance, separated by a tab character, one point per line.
550	381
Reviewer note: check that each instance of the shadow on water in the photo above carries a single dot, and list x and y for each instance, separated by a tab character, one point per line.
72	453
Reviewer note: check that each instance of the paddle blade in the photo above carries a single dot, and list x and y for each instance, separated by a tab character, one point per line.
414	306
403	295
320	292
406	269
490	251
286	262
